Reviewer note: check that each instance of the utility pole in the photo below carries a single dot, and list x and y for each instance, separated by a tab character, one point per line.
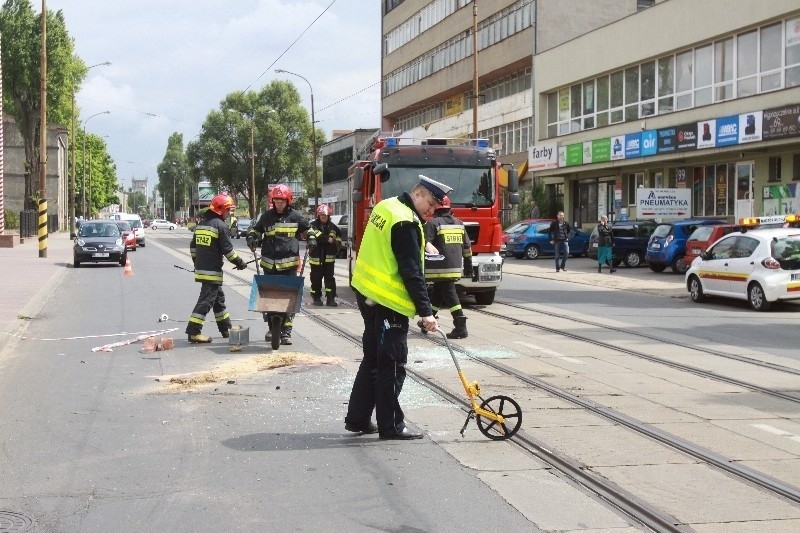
475	97
43	138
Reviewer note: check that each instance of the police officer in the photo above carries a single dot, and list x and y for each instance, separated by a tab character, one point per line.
279	231
210	242
389	286
324	239
449	236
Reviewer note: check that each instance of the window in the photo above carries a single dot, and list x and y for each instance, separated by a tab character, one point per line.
796	167
774	169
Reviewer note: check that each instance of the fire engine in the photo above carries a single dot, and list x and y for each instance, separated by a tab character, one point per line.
469	166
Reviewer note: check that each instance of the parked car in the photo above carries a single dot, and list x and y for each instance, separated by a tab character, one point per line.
534	240
128	235
160	223
516	228
99	241
667	244
136	223
630	241
703	237
242	227
760	267
342	221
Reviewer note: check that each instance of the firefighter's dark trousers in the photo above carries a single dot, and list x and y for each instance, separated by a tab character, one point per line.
382	372
444	296
211	297
320	272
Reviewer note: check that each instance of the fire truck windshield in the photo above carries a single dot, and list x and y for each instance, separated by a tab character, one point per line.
471	185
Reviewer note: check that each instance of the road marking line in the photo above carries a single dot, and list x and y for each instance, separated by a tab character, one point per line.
554	353
777	431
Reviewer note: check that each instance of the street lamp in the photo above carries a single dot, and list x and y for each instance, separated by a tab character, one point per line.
83	163
313	134
71	202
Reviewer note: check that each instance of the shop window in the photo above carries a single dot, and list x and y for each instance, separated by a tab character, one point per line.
774	169
796	167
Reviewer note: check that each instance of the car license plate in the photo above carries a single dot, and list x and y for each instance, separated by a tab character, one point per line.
655	245
795	277
696	251
100	254
594	245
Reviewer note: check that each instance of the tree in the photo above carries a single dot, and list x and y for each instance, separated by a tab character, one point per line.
173	177
101	175
21	29
281	134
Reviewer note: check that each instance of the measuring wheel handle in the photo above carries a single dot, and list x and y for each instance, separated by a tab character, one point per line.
511	414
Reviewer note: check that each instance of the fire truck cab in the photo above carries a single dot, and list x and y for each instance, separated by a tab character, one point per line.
470	167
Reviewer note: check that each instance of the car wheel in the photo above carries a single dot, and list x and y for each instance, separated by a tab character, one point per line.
696	290
531	251
171	228
484	298
123	260
519	256
76	263
757	298
657	268
633	259
679	265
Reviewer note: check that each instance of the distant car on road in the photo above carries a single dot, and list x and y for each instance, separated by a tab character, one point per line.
128	235
516	228
242	227
533	240
667	245
99	241
160	223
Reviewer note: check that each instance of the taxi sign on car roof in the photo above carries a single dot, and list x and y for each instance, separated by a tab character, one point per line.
774	221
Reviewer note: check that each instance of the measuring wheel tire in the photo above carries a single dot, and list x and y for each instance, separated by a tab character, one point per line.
275	328
509	410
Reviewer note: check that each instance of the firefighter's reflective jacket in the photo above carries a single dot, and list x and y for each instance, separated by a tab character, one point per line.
210	242
448	234
279	235
325	251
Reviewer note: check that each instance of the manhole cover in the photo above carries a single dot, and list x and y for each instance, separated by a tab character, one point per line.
11	522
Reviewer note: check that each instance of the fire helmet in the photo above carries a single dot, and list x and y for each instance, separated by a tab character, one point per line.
282	192
324	209
221	204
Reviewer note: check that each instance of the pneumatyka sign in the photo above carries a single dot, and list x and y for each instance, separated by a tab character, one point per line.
663	203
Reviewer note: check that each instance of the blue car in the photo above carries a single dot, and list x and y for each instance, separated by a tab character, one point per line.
533	240
667	244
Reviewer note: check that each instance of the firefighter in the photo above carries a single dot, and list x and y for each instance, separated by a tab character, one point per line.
324	240
279	231
449	236
210	242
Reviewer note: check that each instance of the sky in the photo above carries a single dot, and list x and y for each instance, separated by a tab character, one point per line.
173	61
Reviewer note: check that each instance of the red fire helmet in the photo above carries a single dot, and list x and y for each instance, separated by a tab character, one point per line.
282	192
222	203
324	209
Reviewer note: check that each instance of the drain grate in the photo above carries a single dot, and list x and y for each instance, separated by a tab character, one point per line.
11	522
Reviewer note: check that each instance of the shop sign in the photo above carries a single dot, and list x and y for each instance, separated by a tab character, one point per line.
601	150
781	122
667	203
750	127
562	156
543	156
617	147
454	105
728	131
574	154
587	152
633	145
686	137
666	141
707	134
649	142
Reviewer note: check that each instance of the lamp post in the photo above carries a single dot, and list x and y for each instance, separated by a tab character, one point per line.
313	135
83	163
72	175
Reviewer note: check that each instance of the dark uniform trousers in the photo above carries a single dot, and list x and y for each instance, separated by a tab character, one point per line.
382	372
444	296
286	326
324	270
211	297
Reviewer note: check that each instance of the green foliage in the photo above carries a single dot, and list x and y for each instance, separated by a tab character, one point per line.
12	219
174	183
100	173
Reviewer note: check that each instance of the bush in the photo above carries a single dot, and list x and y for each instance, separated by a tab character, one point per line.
12	220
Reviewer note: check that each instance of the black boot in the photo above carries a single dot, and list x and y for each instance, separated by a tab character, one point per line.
331	301
611	267
599	267
317	299
460	329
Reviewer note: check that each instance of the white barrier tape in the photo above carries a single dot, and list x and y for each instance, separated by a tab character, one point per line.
108	347
146	333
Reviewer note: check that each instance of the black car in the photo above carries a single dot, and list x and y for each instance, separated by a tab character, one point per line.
99	241
630	241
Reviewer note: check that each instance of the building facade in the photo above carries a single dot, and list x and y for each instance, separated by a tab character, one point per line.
338	155
428	67
688	109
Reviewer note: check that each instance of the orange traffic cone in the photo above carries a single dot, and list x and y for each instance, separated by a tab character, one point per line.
128	270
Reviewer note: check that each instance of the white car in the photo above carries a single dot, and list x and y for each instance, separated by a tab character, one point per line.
162	224
761	266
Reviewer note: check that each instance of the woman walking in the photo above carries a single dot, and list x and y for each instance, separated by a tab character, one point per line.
605	245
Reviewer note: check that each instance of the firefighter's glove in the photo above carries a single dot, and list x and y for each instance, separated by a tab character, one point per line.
252	242
240	264
468	270
312	241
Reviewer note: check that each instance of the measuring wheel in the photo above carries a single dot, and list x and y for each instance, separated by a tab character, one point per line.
508	409
275	328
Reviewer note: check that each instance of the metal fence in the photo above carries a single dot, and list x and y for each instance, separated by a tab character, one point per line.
29	223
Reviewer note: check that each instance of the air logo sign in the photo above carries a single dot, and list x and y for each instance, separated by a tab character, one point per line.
649	142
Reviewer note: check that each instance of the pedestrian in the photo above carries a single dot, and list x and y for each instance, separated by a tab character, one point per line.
449	236
560	231
605	245
234	221
209	244
324	239
279	231
389	285
534	209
